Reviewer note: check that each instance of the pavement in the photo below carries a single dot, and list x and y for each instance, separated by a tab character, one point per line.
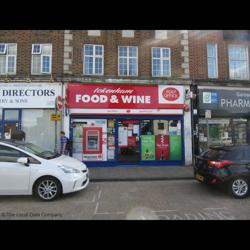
138	173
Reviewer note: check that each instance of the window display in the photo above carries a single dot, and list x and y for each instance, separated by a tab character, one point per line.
167	139
126	140
222	132
39	129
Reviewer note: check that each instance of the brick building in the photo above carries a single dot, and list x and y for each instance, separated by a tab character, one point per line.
136	128
149	125
31	74
219	70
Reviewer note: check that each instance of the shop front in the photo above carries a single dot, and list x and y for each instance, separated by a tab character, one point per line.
28	107
224	116
126	124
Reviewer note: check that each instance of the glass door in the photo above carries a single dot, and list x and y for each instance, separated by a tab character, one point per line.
11	122
128	140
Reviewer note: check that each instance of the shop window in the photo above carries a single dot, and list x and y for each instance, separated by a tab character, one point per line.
128	60
39	129
93	59
161	140
11	115
8	53
161	62
238	62
41	59
240	131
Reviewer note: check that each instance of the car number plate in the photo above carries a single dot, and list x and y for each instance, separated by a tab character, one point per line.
199	177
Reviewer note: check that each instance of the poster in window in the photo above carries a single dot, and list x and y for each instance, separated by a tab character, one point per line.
111	154
147	147
111	140
162	147
122	136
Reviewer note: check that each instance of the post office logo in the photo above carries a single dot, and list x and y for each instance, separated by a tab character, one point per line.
171	94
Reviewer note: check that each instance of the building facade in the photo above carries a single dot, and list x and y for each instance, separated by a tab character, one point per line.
126	94
219	69
31	74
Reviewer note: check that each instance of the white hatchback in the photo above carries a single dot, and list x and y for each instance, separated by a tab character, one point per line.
27	169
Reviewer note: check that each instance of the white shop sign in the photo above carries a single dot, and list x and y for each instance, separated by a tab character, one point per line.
29	95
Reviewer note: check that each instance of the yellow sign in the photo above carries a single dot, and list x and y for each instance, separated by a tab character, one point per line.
55	117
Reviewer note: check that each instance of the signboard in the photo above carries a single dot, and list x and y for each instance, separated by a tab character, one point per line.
55	117
29	95
223	102
124	96
162	147
148	147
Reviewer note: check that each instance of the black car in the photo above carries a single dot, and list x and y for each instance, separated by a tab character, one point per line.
227	167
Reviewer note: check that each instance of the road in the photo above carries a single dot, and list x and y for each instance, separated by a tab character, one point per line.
142	200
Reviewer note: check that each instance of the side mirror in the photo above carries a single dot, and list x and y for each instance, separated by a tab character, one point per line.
23	160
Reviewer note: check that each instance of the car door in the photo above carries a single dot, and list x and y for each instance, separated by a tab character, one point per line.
14	177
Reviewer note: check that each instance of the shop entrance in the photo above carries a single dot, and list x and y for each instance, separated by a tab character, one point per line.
128	140
120	140
11	122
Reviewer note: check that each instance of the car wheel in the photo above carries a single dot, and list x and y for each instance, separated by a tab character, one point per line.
47	188
239	187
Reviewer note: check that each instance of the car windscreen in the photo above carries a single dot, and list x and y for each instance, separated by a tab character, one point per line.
38	151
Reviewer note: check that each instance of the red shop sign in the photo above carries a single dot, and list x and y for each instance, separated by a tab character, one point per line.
124	96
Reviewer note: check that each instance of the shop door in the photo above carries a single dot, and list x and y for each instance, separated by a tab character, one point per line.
128	140
11	122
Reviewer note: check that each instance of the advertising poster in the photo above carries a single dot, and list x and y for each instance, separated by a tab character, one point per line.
175	147
148	147
162	147
123	137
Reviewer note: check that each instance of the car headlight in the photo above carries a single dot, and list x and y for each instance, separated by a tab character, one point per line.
68	170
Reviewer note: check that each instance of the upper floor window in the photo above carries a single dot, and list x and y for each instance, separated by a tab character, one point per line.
161	62
238	62
212	61
41	59
128	60
93	59
8	54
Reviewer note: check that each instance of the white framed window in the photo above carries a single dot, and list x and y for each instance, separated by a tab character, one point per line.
41	60
212	60
128	61
8	53
161	63
93	59
3	48
238	62
36	49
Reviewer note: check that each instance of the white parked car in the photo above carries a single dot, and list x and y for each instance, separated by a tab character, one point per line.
27	169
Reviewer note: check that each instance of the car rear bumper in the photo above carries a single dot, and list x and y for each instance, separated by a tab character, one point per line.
208	177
